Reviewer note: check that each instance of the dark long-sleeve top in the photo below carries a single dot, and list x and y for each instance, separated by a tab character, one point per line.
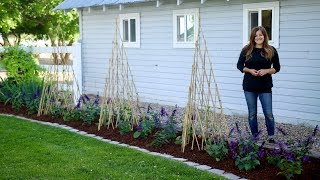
260	84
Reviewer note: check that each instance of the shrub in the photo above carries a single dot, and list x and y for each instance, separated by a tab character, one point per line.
20	64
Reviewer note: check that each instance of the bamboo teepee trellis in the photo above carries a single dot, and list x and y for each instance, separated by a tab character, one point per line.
120	97
204	114
57	90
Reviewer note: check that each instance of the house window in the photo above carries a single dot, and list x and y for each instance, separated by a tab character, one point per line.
185	28
130	29
262	14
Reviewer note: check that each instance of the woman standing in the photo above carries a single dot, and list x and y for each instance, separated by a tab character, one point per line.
258	60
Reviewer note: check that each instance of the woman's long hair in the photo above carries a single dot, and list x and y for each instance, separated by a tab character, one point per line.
267	49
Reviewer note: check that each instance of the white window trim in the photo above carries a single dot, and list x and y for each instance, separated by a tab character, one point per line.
176	13
135	16
275	20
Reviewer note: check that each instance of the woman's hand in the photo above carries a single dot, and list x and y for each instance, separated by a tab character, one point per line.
263	72
251	71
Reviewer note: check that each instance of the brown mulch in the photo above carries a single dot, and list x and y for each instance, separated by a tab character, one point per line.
311	170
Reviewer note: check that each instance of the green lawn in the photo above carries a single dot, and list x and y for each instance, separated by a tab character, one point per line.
31	150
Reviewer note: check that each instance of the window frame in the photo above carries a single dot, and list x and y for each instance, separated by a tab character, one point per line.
185	12
128	17
274	6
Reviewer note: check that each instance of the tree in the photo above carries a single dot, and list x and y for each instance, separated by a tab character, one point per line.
10	17
34	17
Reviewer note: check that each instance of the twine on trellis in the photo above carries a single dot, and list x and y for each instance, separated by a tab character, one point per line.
58	89
204	116
120	97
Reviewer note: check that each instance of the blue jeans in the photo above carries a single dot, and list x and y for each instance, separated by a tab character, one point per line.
266	103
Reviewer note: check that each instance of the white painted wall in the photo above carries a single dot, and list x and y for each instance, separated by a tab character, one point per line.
162	73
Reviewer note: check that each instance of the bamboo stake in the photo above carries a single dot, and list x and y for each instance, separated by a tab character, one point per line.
119	89
201	117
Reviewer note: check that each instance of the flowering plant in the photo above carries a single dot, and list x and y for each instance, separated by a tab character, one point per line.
144	128
288	156
168	131
246	152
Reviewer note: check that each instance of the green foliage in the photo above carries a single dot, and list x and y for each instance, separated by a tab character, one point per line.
178	140
90	113
36	18
247	157
73	115
32	95
56	112
10	93
19	94
125	114
10	17
289	155
289	168
166	134
144	129
274	160
20	64
124	127
217	150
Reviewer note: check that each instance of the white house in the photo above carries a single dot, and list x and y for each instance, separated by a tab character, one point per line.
160	53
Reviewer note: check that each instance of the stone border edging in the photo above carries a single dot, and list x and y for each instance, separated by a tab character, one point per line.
185	161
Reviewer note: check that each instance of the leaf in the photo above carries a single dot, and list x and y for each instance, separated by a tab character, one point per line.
247	166
136	134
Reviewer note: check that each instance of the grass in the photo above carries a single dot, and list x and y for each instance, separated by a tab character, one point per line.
30	150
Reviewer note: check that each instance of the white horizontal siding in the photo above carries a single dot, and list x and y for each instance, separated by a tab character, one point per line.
162	73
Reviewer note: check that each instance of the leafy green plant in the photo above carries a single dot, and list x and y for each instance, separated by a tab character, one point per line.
73	115
168	133
289	155
178	140
144	129
10	92
126	114
20	64
90	113
289	167
217	150
124	127
85	110
31	95
56	112
247	158
246	152
18	94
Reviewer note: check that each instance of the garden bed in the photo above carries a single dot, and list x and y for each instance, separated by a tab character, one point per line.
264	171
